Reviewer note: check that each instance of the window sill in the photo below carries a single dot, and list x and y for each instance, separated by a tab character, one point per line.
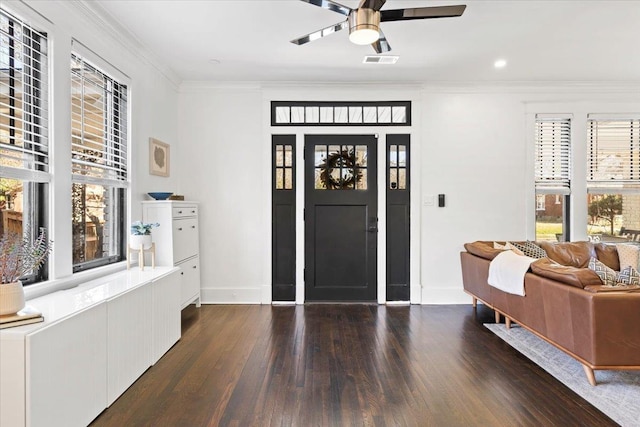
43	288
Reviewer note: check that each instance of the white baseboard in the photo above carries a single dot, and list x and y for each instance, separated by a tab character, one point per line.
261	295
434	295
231	295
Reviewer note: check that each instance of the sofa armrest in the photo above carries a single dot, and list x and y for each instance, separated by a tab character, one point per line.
574	276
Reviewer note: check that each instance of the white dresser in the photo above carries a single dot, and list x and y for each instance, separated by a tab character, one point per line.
177	242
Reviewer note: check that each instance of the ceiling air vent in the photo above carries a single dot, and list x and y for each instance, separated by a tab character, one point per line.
387	59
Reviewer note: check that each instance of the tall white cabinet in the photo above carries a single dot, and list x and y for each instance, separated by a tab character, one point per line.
177	242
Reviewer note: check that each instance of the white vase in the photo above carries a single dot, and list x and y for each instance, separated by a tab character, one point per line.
11	298
138	241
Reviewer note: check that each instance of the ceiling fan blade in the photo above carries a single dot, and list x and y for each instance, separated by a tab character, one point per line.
320	33
381	45
372	4
331	5
422	13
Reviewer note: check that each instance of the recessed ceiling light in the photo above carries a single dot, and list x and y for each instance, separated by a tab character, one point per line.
500	63
386	59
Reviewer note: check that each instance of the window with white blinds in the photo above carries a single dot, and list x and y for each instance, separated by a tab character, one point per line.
553	155
23	101
98	125
98	165
613	161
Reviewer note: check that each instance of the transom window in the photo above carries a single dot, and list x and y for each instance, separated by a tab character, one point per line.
392	113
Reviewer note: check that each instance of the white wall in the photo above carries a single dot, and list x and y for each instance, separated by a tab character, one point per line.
468	142
153	110
223	151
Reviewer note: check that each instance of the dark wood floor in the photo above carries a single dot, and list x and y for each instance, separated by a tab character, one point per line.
345	365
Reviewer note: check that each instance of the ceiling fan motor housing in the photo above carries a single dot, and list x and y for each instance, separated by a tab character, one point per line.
364	19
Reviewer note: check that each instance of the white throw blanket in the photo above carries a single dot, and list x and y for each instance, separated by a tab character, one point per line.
507	270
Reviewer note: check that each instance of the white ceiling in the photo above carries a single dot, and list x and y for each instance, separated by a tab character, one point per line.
543	41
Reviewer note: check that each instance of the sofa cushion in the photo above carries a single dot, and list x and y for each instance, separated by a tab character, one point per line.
573	254
608	255
530	249
607	275
629	276
482	249
574	276
629	255
507	247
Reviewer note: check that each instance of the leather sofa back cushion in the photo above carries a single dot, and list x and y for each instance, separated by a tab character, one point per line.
482	249
572	254
574	276
608	255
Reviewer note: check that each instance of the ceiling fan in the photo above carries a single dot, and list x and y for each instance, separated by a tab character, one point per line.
364	22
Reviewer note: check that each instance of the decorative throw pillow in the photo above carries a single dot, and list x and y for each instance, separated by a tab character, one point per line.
607	276
530	249
629	255
629	276
497	245
510	246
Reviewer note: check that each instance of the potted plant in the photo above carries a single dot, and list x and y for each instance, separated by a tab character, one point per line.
141	235
19	256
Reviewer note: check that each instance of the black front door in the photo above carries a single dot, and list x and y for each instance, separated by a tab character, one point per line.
341	213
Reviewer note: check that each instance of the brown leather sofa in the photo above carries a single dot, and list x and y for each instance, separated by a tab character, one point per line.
566	304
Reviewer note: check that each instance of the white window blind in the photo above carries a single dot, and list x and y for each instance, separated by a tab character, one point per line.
98	125
23	101
553	155
613	161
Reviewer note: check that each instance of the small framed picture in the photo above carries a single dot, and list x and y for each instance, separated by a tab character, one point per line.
159	156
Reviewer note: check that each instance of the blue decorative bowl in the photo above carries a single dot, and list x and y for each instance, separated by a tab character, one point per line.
160	195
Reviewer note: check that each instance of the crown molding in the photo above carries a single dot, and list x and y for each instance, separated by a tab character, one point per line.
568	87
195	85
100	17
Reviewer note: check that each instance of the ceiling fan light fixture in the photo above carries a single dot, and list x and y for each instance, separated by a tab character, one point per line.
364	26
364	36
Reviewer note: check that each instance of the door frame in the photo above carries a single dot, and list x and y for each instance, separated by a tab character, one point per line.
300	132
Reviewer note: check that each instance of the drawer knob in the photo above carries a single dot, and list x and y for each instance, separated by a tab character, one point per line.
193	226
193	212
179	228
182	273
195	266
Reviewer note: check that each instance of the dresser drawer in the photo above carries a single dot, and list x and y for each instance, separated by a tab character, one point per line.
185	238
185	211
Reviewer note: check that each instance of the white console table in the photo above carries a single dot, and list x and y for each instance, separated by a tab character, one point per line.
96	340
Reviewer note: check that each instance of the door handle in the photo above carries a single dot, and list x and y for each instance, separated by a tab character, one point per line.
373	229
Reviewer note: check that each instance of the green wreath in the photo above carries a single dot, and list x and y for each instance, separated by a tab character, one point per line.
340	160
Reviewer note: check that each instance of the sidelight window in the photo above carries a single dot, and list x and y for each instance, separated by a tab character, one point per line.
397	167
283	165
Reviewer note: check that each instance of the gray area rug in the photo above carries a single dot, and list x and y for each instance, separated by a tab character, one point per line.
617	393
